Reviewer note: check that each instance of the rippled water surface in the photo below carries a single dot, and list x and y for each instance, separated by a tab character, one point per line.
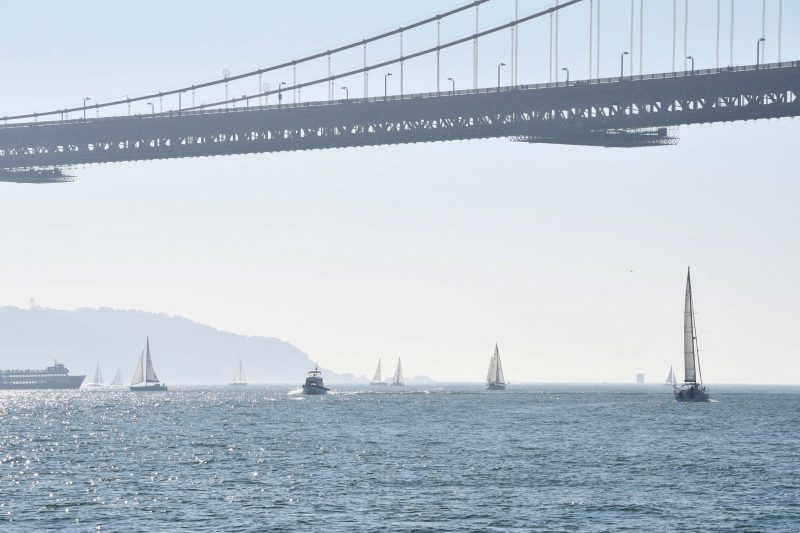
439	459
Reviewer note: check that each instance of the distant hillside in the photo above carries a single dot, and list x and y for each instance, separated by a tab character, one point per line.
183	351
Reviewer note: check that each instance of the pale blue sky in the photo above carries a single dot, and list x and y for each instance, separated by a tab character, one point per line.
430	252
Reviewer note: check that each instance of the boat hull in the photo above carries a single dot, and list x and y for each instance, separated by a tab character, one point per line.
495	386
378	383
238	384
149	388
45	383
314	390
691	393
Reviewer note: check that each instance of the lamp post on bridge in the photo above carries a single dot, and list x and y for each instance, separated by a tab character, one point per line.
499	66
758	52
152	108
622	65
691	58
346	93
565	69
84	106
280	94
453	90
386	85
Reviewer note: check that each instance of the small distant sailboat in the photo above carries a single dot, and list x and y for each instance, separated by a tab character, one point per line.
397	379
691	390
117	379
671	378
313	384
377	379
239	380
144	378
97	382
495	380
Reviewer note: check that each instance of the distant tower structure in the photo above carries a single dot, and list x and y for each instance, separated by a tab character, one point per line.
33	303
640	378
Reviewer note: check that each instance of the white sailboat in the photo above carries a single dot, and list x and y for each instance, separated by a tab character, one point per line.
671	377
377	379
495	380
691	390
397	379
117	379
97	381
144	378
239	380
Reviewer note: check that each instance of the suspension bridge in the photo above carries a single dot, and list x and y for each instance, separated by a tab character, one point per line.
621	111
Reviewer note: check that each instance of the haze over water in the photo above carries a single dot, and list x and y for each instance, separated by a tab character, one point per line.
451	458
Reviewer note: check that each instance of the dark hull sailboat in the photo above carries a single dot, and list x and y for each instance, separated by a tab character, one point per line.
144	378
691	390
495	380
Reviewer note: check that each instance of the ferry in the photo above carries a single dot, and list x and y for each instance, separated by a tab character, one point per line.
53	377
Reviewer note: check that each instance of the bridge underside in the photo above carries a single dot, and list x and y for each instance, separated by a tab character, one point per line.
612	112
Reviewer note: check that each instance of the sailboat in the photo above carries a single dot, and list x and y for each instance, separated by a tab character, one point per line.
495	380
117	379
691	390
97	382
377	379
239	380
671	377
144	378
397	379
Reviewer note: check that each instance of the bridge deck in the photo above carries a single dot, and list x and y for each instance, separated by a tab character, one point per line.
537	113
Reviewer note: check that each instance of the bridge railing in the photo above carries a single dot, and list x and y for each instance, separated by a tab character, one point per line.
417	96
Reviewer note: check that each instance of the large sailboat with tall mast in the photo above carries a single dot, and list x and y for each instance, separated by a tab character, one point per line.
144	378
377	379
692	390
397	379
495	380
239	380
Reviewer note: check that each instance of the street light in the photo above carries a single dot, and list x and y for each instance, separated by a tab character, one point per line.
691	58
280	95
84	106
565	69
622	64
346	93
498	75
451	80
758	52
152	108
386	85
226	74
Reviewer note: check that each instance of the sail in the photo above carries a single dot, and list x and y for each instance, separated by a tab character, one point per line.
495	374
377	377
398	374
98	376
117	378
670	377
688	334
138	374
240	374
151	373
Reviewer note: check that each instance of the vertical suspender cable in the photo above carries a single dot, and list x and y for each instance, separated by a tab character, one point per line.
366	73
401	63
630	46
550	67
556	59
732	11
438	53
718	2
674	29
763	28
598	39
780	27
294	83
516	42
685	33
591	28
475	50
641	36
330	83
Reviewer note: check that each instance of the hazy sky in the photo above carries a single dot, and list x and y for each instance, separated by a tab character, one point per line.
572	259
